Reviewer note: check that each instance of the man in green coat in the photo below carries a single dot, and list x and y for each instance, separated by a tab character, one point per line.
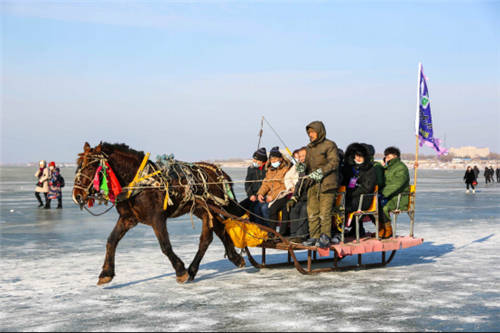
321	166
397	180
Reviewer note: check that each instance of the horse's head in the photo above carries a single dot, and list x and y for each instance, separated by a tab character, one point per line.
87	162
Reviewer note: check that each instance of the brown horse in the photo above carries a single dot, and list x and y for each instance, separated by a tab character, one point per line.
146	206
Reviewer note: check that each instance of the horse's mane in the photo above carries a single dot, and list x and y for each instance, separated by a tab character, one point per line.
121	147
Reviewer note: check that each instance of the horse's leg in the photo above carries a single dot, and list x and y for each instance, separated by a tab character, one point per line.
232	255
206	238
108	269
160	228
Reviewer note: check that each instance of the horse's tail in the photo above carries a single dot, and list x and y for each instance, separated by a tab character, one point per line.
234	208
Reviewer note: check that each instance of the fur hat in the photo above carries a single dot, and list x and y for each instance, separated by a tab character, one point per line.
275	152
260	154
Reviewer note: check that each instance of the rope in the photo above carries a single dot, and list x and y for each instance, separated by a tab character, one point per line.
217	183
99	214
279	137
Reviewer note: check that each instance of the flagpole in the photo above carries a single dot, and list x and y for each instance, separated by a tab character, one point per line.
417	125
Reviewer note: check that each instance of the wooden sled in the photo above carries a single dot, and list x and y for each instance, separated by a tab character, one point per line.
347	247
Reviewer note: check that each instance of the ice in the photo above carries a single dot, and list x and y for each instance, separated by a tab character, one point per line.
51	260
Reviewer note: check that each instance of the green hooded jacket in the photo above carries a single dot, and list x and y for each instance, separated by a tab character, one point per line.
397	180
323	154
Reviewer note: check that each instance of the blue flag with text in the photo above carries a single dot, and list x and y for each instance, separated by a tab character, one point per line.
424	118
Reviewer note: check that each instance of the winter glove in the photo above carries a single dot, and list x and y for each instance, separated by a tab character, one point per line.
290	203
300	167
316	175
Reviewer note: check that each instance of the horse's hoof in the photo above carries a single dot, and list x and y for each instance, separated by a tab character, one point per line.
183	278
104	280
242	263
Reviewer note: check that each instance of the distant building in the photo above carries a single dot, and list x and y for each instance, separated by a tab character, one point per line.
470	151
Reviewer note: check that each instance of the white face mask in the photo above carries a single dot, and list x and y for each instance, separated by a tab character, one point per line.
275	164
255	164
358	163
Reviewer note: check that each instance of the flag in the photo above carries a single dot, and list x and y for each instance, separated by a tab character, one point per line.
424	119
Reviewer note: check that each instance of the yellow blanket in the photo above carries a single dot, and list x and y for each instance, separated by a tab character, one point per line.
244	234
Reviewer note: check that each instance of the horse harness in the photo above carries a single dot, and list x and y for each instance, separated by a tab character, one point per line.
191	177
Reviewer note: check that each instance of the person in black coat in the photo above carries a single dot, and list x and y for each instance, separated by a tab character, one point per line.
470	179
255	174
297	205
498	175
359	177
476	172
492	174
486	174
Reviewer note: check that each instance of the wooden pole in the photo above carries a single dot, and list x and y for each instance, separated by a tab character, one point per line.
415	167
261	131
417	126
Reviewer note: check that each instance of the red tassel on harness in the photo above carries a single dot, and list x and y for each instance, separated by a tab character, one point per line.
97	179
116	188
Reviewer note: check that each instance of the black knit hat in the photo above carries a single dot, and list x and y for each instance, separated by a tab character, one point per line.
275	152
260	155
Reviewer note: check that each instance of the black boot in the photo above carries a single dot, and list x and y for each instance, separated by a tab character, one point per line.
40	202
324	241
59	203
47	204
311	242
336	239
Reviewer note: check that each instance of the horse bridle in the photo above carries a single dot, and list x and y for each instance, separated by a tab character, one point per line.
78	184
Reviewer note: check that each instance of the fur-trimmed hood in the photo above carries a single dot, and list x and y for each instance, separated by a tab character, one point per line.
361	149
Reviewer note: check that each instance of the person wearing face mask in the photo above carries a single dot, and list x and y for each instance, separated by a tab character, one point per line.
397	180
273	186
359	177
255	174
42	186
56	182
297	205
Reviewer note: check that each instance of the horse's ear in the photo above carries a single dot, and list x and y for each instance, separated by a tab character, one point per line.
86	147
98	148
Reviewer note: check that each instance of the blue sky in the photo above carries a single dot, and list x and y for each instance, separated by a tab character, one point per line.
194	78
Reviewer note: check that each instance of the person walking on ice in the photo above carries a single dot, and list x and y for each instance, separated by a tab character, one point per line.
42	186
470	179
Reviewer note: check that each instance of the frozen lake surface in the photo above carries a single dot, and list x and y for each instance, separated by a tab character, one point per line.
51	260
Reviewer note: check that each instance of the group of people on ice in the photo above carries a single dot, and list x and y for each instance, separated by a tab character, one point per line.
50	182
305	192
489	174
472	174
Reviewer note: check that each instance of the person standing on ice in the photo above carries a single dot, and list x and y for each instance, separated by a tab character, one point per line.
498	174
321	166
56	182
476	172
470	179
486	174
492	174
42	186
